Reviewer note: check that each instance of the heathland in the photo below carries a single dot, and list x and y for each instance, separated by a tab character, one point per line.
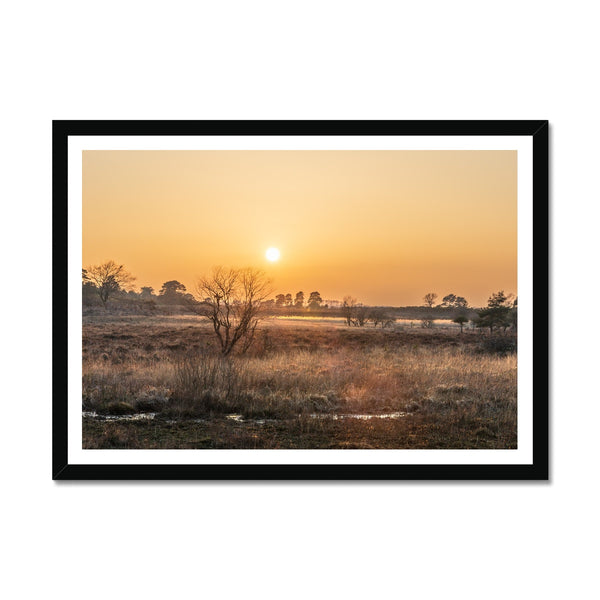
160	381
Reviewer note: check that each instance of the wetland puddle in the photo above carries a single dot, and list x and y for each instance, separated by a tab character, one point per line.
137	417
335	417
240	418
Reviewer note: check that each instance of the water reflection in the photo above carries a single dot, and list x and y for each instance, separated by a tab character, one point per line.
137	417
241	419
365	417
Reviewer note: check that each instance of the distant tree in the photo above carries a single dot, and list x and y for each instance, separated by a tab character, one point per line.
362	315
430	299
461	320
174	292
288	300
358	315
147	292
375	316
379	316
233	303
348	309
514	314
280	300
498	299
171	288
448	300
299	300
314	300
88	289
108	278
497	314
453	301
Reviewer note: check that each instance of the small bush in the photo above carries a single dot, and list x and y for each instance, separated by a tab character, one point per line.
195	376
501	345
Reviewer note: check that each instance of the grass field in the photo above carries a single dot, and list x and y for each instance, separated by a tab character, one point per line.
159	382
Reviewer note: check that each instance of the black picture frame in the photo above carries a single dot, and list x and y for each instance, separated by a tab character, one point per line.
539	467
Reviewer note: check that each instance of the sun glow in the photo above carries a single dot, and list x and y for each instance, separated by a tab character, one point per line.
452	232
272	254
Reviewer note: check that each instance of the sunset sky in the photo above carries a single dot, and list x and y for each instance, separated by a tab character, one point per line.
383	226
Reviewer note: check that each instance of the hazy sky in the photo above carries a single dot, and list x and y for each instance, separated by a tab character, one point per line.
383	226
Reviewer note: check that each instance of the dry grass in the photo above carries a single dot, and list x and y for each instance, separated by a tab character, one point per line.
454	394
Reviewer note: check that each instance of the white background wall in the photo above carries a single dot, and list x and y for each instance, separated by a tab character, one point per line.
276	60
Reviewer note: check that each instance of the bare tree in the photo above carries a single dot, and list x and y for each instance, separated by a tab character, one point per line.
380	317
232	302
108	278
430	299
348	309
362	315
356	313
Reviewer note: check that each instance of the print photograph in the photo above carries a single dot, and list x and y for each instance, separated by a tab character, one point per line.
300	300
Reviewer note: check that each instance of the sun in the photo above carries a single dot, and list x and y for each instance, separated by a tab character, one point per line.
272	254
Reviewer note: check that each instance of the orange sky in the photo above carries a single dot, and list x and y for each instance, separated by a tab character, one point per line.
383	226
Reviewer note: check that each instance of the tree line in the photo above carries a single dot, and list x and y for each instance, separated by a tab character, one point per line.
110	279
285	300
499	314
233	300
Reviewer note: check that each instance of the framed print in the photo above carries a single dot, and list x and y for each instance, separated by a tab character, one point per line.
300	300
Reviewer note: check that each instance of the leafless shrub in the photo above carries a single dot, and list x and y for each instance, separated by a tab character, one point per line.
108	278
200	376
232	301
